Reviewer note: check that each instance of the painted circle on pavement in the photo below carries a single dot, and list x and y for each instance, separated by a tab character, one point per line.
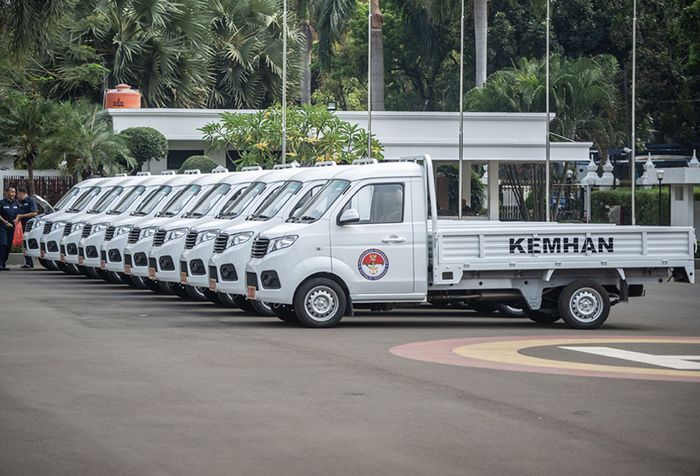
505	353
373	264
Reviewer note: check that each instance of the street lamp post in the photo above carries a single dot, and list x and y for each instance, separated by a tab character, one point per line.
284	82
634	137
461	114
660	177
546	138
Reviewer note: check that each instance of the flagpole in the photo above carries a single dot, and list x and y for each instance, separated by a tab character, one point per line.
634	136
369	81
461	113
284	81
546	139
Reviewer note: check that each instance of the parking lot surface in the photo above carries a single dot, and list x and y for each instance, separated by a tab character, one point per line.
98	378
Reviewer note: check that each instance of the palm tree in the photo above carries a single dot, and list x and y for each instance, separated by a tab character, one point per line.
377	79
86	142
326	19
25	122
480	39
29	23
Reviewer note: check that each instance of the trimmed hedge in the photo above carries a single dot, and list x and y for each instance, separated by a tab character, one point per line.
145	143
201	162
647	205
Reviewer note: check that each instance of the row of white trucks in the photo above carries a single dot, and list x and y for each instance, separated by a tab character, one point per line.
312	244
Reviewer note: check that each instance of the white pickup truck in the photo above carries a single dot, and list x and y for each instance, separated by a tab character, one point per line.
371	237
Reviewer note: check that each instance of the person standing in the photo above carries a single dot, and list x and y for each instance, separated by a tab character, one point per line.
9	209
27	210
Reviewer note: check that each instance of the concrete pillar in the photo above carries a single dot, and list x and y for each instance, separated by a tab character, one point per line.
682	210
493	190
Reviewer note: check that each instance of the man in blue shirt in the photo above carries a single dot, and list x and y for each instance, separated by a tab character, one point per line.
9	209
27	210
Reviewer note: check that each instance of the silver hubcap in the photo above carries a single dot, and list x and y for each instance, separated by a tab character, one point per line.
321	303
586	305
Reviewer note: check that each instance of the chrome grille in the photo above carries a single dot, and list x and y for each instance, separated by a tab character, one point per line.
259	247
68	228
86	230
134	234
109	234
190	240
220	243
159	238
47	228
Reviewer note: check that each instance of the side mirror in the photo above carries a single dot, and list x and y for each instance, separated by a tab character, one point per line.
349	216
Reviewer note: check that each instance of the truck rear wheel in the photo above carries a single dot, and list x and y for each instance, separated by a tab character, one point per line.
584	304
261	308
509	310
319	302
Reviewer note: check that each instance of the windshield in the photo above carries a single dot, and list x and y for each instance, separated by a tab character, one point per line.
209	200
305	199
127	201
106	199
152	200
321	202
178	202
274	201
66	198
237	206
85	199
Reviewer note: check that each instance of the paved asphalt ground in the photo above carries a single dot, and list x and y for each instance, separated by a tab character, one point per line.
103	379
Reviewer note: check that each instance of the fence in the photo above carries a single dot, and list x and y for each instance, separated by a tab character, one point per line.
51	188
517	203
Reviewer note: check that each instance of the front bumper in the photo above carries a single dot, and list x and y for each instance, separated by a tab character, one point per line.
167	260
289	276
89	249
69	247
137	254
114	252
227	269
51	249
31	242
194	270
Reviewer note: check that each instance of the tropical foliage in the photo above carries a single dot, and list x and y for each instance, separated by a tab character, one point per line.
199	162
145	144
313	134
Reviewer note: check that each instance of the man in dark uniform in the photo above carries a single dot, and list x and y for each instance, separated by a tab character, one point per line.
9	209
27	210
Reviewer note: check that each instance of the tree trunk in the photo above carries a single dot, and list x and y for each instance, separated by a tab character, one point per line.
377	79
30	172
306	62
480	34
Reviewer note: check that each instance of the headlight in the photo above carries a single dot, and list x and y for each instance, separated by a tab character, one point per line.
281	243
120	230
99	227
78	226
175	234
58	225
239	238
148	232
203	236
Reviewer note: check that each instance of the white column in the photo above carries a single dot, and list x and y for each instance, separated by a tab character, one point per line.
493	190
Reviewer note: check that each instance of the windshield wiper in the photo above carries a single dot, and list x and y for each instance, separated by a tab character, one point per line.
307	218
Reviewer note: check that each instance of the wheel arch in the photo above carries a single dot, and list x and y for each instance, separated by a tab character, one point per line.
338	280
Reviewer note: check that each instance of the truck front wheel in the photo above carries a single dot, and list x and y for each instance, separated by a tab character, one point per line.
584	304
319	302
284	313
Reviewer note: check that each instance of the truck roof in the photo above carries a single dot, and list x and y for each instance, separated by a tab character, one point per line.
381	170
318	173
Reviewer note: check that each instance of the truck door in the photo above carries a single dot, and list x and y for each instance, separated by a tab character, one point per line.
378	247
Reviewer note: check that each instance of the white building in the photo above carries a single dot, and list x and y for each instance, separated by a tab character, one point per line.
489	138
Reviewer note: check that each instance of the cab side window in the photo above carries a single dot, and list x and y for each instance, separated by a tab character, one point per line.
378	203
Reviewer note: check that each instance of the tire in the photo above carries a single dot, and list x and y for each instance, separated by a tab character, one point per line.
227	300
165	287
480	307
152	285
72	269
213	296
83	270
244	304
508	310
284	313
196	293
62	267
129	282
261	309
138	282
584	304
543	317
114	278
45	264
180	290
92	273
319	302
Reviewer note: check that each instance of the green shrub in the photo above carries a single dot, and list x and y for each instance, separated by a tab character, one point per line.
201	162
646	200
145	143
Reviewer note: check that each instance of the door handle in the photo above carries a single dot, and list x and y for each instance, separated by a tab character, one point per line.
394	239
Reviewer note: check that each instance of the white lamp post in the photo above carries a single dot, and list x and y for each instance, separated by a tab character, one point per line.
461	112
284	81
634	137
